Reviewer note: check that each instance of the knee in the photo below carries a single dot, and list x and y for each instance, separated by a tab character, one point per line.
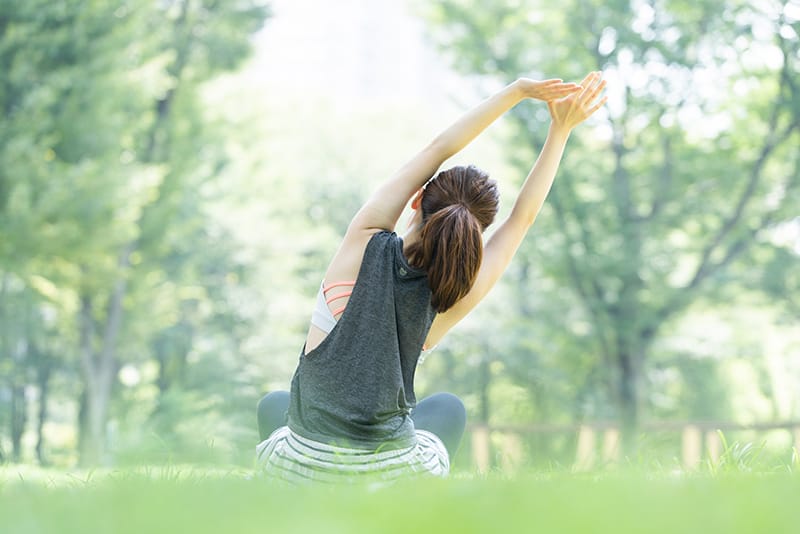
276	400
450	404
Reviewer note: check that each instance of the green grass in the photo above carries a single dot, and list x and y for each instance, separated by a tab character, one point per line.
190	500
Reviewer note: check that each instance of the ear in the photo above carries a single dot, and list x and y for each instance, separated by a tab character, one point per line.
415	204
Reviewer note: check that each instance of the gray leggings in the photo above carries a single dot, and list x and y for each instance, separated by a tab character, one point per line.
441	413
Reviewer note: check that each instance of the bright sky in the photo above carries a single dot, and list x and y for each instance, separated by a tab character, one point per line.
357	49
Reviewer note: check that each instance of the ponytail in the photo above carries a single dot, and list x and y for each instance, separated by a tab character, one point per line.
450	250
457	206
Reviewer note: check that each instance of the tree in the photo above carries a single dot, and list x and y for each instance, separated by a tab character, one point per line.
37	181
199	39
101	155
693	163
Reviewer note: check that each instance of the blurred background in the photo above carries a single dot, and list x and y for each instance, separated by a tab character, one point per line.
176	174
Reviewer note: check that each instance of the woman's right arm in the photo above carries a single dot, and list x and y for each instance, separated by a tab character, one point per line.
566	113
382	210
384	207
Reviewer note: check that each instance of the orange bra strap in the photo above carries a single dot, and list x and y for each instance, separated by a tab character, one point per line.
325	289
340	295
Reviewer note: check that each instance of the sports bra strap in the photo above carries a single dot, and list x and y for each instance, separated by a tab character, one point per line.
327	288
322	316
339	296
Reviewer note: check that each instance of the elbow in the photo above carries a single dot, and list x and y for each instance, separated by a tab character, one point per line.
523	218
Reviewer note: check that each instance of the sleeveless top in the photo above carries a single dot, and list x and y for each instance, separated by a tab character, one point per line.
356	389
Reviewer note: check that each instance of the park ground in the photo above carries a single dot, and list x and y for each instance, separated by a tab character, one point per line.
197	501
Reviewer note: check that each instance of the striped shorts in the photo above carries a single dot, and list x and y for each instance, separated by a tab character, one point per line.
291	458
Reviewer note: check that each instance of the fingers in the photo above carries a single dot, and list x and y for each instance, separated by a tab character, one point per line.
557	84
593	85
590	82
591	95
564	90
581	96
555	91
597	106
574	106
588	78
548	89
561	90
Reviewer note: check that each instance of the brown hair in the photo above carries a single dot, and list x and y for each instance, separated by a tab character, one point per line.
457	206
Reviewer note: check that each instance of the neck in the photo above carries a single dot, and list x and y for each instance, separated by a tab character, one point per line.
410	237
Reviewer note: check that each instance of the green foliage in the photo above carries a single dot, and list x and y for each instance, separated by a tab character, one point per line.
736	457
176	499
690	167
105	152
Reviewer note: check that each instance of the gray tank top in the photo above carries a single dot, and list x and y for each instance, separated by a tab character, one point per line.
356	389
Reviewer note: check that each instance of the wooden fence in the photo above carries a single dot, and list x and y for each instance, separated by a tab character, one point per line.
599	443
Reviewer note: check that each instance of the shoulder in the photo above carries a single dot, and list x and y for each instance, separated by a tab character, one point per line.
384	243
356	245
378	239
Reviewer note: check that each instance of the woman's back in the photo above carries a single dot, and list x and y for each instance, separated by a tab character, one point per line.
358	383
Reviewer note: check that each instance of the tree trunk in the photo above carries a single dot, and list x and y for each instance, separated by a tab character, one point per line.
5	344
541	442
483	388
100	368
92	413
82	426
43	372
94	442
19	403
18	419
485	378
96	394
627	396
632	349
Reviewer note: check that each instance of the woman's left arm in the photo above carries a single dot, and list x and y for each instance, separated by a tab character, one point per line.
501	247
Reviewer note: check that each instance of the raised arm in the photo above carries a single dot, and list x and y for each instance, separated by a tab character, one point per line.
384	207
566	113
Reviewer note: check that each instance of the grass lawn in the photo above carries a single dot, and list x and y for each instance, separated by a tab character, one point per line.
197	502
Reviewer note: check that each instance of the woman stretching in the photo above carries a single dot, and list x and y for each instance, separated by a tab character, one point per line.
351	411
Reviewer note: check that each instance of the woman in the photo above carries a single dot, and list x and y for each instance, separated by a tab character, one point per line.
384	299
